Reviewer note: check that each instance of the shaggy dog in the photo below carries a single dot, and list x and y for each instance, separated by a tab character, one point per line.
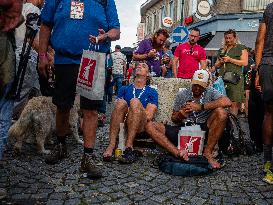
37	121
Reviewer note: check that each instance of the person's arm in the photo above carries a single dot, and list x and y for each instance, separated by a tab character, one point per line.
243	61
45	33
259	45
111	35
174	66
203	64
178	116
223	102
145	56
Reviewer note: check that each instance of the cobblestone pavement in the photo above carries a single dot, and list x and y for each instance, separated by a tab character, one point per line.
29	180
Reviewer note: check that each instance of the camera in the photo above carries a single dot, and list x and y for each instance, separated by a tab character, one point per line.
33	21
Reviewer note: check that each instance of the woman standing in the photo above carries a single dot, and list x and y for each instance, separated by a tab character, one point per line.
231	57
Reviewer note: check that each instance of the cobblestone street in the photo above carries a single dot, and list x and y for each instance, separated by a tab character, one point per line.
29	180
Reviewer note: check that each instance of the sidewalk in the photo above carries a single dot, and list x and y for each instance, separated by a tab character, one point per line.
29	180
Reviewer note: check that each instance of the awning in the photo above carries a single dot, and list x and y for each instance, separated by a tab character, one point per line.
247	38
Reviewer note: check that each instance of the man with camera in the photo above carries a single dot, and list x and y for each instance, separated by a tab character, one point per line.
200	105
136	105
188	55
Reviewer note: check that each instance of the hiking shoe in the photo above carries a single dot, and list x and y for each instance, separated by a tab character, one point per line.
267	166
129	156
58	153
89	167
268	178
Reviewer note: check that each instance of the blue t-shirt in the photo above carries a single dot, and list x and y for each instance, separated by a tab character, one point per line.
70	36
150	95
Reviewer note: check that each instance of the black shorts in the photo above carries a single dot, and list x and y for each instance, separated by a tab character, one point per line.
65	89
266	79
171	132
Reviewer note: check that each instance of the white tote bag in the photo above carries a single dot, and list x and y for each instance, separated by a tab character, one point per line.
91	76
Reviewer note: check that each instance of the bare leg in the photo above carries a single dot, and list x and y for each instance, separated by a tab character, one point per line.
268	125
135	122
90	123
247	92
234	108
216	124
117	117
157	132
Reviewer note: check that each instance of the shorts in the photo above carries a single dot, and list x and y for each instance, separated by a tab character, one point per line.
266	80
171	132
65	89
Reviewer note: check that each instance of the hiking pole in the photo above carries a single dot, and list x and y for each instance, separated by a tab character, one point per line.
32	27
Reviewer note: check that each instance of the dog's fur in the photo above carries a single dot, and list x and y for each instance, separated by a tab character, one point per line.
37	121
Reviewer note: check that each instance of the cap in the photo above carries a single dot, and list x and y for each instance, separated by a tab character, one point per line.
200	77
117	47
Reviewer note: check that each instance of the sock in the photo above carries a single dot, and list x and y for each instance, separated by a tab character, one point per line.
88	150
61	139
267	152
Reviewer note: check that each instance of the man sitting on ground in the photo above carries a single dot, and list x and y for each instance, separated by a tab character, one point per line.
136	105
201	104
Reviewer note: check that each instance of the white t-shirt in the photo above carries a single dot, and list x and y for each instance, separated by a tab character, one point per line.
21	30
119	61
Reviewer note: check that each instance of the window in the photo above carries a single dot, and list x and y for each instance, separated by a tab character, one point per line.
162	14
154	21
178	11
171	9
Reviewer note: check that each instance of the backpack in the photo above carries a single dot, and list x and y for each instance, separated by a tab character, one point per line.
197	165
233	141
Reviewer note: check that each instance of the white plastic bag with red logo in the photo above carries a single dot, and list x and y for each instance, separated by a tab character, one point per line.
192	139
91	77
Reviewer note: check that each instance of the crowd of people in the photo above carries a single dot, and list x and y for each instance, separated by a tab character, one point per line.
58	49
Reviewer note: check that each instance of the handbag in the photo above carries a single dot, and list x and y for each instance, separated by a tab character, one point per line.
91	76
231	77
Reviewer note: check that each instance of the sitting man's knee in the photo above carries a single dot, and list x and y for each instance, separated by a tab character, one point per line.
221	114
121	104
135	103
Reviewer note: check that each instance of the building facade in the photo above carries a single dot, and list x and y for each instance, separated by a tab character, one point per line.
212	17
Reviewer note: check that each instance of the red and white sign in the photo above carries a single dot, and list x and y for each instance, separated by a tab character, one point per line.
87	72
167	22
192	140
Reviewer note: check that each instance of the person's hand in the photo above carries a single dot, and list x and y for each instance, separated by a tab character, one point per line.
98	39
257	82
10	14
192	107
44	66
226	59
184	112
152	53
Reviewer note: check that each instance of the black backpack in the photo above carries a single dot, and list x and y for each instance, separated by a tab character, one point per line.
233	141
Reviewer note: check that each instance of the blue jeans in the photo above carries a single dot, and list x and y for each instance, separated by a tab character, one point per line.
6	109
117	81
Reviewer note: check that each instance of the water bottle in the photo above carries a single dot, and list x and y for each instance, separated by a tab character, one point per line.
121	142
152	71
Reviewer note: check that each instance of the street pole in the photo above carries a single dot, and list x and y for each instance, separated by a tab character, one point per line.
182	12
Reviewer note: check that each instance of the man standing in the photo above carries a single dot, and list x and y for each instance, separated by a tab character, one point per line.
189	55
119	67
264	61
136	105
200	104
151	51
68	25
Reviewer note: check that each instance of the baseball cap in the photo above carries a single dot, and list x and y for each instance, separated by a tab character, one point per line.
117	47
200	77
